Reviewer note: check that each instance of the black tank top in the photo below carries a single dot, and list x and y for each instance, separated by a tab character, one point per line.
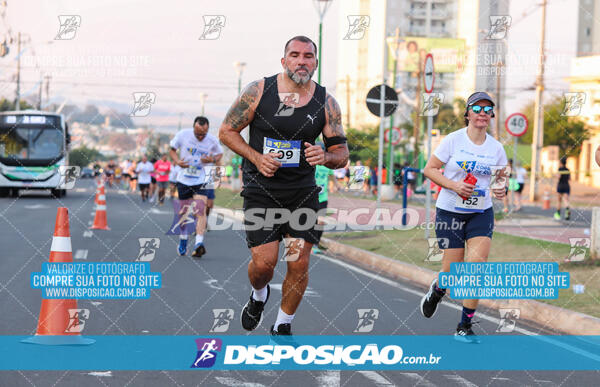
274	120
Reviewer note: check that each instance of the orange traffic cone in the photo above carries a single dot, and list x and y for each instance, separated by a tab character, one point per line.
54	320
100	222
546	201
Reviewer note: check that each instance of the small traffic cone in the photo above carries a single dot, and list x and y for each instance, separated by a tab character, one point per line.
54	317
546	201
100	222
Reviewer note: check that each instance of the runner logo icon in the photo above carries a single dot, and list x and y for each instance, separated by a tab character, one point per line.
207	352
366	320
222	319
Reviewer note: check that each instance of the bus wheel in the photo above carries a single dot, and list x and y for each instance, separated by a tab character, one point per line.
14	193
56	193
4	192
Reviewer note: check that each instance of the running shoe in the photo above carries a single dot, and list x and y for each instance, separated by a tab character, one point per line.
182	249
430	301
199	250
251	315
567	214
465	334
557	215
282	330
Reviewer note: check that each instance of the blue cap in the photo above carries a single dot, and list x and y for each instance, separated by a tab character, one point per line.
479	96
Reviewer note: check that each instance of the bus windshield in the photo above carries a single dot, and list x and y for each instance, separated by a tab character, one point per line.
28	143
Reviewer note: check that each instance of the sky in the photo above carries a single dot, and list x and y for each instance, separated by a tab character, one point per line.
122	47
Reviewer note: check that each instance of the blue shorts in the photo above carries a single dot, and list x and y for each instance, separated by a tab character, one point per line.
452	228
210	193
188	191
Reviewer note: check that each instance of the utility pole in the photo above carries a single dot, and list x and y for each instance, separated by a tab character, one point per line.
40	94
497	120
390	168
18	97
417	123
47	78
538	117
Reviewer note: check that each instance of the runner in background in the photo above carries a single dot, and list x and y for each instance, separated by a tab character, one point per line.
144	169
506	199
162	168
322	174
563	189
192	149
132	177
152	192
125	165
521	175
118	175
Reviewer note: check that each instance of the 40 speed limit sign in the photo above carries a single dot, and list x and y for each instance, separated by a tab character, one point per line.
516	124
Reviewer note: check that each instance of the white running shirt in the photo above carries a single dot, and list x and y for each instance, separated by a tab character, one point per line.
191	151
461	155
144	170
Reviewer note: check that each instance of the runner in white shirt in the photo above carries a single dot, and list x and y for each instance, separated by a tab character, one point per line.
464	211
143	169
196	148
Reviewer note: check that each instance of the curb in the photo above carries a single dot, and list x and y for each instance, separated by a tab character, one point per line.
549	316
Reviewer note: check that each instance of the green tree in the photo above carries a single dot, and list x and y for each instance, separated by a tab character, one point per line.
566	132
8	105
363	144
84	156
450	117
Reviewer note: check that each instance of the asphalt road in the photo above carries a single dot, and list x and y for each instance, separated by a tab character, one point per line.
193	288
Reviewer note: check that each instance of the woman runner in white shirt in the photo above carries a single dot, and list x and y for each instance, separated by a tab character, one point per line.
464	212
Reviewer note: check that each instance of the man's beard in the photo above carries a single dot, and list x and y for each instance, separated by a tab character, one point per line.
299	79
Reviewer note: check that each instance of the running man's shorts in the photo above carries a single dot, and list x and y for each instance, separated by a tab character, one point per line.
263	222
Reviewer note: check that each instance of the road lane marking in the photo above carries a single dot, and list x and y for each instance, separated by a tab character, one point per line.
36	206
461	381
378	379
100	373
81	254
329	379
232	382
418	379
307	293
87	234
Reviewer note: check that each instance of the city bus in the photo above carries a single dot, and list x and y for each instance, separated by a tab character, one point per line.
33	146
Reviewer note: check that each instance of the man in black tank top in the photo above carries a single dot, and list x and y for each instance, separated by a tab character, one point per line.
286	113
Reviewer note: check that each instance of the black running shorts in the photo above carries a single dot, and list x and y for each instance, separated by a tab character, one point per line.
263	220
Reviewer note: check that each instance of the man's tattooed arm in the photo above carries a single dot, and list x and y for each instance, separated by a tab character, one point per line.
336	155
240	114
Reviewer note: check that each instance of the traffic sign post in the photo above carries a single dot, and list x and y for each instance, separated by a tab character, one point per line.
428	80
516	125
396	136
382	101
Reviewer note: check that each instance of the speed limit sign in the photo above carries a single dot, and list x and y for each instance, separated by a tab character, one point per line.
516	124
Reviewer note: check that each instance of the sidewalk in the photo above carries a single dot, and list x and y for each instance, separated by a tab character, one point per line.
522	223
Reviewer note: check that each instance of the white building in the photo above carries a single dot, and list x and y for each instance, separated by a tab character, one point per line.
361	58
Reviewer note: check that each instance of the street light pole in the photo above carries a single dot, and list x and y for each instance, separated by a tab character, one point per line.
538	116
321	6
390	137
203	100
18	97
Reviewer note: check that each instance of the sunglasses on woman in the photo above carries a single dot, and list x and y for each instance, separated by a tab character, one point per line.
486	109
